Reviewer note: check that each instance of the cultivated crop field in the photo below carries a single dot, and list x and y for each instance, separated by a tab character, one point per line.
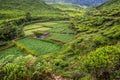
62	37
40	46
30	31
58	30
15	52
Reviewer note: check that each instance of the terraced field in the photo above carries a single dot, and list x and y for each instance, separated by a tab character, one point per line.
11	54
62	37
33	27
40	46
58	30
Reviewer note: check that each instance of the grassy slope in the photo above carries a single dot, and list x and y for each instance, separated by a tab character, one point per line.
16	9
11	51
65	6
10	10
69	9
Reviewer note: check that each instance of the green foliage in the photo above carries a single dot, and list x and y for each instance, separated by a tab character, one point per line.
28	16
24	6
10	31
110	8
113	32
38	33
58	30
11	51
16	70
100	41
62	37
13	71
87	77
27	67
99	21
24	49
94	54
103	62
40	46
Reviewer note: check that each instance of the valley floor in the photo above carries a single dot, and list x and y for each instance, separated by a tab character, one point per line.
53	43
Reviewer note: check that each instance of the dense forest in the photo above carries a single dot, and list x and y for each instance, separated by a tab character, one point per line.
59	41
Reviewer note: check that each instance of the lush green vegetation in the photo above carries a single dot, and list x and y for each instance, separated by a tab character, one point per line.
86	47
15	9
69	9
102	62
40	46
31	31
11	51
62	37
59	30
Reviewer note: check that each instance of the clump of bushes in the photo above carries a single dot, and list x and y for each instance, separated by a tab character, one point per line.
9	31
3	43
25	68
11	69
100	41
103	62
98	21
38	33
113	32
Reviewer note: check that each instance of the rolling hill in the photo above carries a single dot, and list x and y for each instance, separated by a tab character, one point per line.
23	5
18	8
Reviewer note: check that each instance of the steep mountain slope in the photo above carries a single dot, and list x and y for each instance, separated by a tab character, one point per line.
80	2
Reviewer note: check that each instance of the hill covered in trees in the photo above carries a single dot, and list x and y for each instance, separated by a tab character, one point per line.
18	8
23	5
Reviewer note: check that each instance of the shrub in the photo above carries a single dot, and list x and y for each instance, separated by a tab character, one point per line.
103	62
99	21
12	72
28	16
100	41
38	33
3	43
9	31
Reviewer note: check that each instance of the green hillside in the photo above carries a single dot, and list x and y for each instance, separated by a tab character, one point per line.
68	9
96	49
23	5
110	8
18	8
84	47
65	6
